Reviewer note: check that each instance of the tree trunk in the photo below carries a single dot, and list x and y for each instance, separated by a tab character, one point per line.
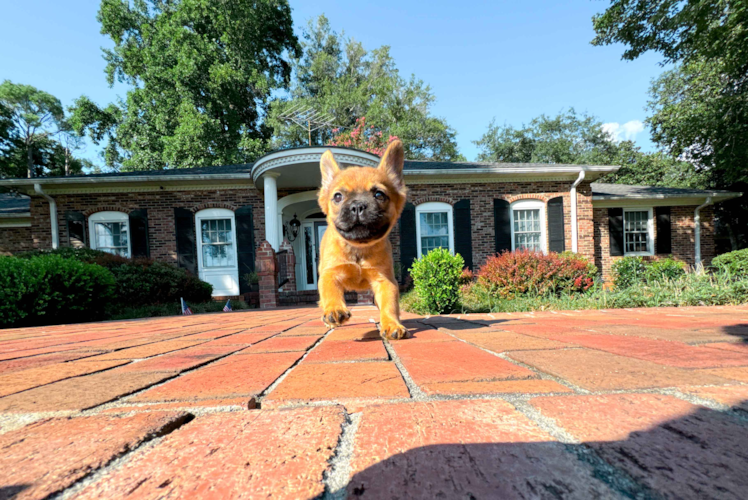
29	161
67	162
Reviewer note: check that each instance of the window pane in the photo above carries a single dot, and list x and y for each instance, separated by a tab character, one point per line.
527	229
434	231
636	233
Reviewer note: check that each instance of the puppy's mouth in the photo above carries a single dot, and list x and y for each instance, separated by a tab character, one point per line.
361	233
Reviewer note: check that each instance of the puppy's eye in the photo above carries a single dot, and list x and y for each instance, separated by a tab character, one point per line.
337	198
380	196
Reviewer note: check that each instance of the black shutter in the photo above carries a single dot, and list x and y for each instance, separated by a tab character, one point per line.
408	242
76	223
463	232
556	236
615	230
139	233
664	245
245	244
184	223
502	225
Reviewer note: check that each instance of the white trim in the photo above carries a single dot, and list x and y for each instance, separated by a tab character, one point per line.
212	275
531	204
311	155
435	207
108	217
650	231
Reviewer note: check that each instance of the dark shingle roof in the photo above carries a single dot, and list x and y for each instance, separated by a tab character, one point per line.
14	204
625	190
242	168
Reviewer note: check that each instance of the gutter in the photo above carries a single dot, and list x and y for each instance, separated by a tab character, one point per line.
52	215
697	231
574	228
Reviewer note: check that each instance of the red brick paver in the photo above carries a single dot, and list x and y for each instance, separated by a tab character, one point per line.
258	404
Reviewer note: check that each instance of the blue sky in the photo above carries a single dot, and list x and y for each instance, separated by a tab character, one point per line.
511	60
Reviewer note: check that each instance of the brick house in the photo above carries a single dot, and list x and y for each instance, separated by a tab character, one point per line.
213	221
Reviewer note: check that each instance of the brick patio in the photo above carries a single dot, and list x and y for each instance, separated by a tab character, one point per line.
579	404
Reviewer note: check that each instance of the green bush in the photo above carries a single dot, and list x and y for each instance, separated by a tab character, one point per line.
436	280
140	281
629	271
51	289
145	282
664	270
733	263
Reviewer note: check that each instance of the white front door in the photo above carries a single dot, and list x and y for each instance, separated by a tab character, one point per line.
216	250
312	233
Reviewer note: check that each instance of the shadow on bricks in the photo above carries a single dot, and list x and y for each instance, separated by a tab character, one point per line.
701	454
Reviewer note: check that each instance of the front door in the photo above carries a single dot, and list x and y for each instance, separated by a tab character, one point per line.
216	248
313	232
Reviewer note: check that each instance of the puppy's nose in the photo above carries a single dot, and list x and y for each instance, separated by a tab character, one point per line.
357	207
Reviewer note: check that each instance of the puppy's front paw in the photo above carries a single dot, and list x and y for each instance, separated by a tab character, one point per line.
335	317
394	331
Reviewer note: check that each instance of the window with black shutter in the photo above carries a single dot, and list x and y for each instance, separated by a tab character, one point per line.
76	224
139	233
615	231
408	242
245	243
664	242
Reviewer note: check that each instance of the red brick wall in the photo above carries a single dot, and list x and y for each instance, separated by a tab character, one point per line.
682	236
481	198
15	239
160	206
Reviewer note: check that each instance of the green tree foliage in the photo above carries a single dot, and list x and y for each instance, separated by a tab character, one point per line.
201	73
34	116
699	108
580	139
337	76
35	138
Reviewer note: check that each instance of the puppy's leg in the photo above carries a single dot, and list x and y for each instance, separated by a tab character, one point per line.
332	301
387	298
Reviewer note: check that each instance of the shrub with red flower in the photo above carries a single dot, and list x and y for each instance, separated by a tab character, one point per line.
361	137
524	272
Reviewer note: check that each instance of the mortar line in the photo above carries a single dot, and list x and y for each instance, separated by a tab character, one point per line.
337	477
415	392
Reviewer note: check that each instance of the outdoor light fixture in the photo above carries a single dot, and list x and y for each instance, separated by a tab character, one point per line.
291	230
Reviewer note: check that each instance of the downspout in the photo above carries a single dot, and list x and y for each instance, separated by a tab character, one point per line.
697	231
52	215
573	195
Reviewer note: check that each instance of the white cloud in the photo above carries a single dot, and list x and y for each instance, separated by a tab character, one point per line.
626	132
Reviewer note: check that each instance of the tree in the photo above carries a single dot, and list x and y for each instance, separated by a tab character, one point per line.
201	73
580	139
565	138
362	137
337	76
34	114
699	108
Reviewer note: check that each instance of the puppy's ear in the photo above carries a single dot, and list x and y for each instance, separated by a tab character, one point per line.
392	163
329	167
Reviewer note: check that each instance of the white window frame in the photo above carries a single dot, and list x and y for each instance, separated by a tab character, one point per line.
104	218
650	231
435	207
215	214
531	205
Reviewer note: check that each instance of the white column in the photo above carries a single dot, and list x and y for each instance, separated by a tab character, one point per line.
271	210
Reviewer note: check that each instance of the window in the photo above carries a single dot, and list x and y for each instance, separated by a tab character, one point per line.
110	232
434	227
637	231
217	242
528	225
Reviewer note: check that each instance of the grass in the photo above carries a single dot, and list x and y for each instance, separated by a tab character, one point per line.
690	290
172	310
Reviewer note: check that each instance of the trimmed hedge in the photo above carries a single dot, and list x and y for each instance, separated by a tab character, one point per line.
51	289
733	263
140	282
630	271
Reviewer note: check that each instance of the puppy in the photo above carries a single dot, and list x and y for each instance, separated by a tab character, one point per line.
362	205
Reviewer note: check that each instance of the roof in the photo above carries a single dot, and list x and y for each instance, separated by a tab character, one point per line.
602	191
14	204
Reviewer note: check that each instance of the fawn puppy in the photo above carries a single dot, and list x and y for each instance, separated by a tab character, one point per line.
362	205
